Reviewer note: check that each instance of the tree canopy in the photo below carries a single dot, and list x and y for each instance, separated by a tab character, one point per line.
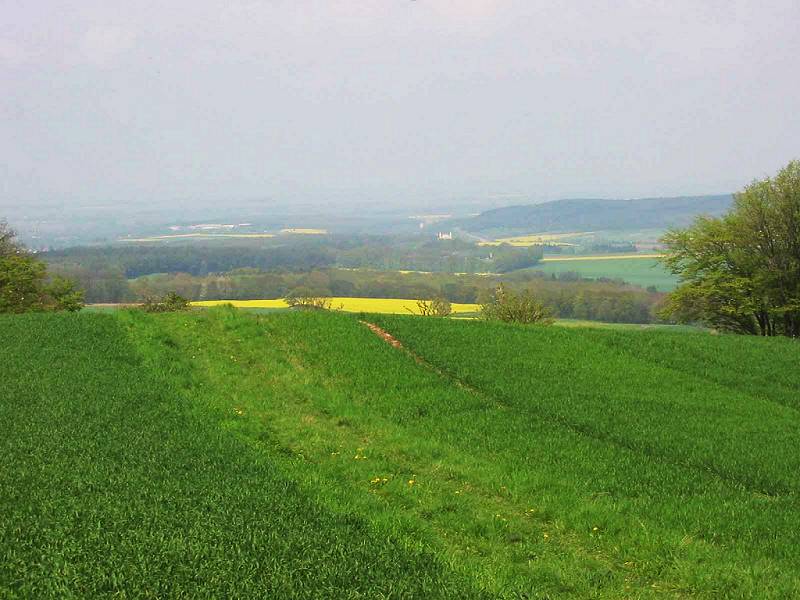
741	272
24	283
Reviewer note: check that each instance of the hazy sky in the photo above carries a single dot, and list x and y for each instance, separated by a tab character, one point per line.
106	101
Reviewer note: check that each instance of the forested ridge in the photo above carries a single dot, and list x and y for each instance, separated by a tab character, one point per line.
597	214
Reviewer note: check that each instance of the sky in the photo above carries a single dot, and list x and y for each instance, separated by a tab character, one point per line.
147	103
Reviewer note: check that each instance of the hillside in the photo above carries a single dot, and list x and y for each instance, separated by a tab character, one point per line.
218	453
595	215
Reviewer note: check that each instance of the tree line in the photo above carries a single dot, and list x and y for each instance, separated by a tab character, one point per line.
566	295
302	254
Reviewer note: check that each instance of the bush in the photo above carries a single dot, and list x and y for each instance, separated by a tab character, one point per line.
436	307
505	305
172	302
303	298
60	294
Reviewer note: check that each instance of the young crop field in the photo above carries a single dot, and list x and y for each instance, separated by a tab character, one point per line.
356	305
607	257
643	269
222	453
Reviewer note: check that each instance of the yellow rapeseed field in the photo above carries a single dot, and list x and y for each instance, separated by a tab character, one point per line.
300	230
373	305
536	239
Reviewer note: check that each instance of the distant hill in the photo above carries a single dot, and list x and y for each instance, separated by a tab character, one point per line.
596	214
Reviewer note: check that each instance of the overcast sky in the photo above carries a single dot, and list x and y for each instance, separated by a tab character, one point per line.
147	102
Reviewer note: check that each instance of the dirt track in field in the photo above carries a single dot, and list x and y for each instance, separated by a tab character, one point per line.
387	337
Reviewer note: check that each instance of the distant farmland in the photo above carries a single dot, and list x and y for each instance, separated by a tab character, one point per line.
536	239
201	236
304	231
644	269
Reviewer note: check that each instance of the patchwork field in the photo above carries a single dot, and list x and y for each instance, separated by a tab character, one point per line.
536	239
297	454
202	236
211	236
642	269
304	231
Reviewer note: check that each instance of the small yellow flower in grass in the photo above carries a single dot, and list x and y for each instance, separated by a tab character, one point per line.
411	481
595	528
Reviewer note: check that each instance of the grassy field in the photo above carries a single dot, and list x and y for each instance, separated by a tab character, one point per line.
126	470
583	323
296	454
643	270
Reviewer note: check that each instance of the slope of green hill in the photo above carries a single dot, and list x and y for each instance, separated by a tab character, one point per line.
594	215
217	453
123	474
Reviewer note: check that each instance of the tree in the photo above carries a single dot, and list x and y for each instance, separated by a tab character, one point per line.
741	272
8	240
511	307
24	284
21	279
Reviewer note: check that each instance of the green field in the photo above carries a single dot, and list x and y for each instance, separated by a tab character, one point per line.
644	272
224	454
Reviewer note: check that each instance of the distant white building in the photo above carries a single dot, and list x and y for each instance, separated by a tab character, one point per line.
444	236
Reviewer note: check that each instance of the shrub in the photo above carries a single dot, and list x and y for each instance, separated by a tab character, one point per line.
303	298
506	305
171	302
436	307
